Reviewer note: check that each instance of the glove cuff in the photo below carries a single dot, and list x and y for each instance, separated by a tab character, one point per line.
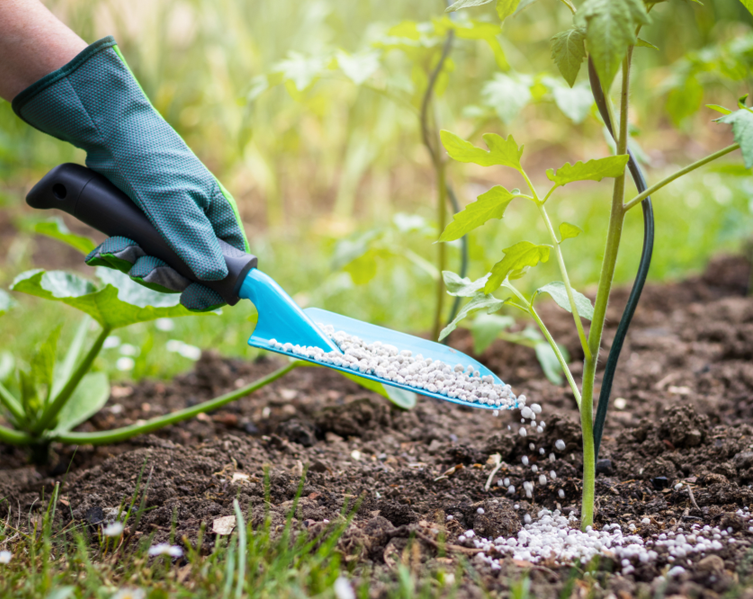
37	87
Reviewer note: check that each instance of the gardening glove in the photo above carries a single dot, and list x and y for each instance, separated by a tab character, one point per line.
95	103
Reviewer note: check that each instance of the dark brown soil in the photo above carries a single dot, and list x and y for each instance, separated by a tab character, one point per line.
682	410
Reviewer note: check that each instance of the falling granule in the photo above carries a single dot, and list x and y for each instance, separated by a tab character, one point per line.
506	482
536	408
524	459
560	445
402	367
552	457
542	451
527	413
522	431
534	468
561	494
542	479
511	490
532	446
527	519
553	475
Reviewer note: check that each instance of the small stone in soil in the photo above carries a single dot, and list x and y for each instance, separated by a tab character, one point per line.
660	482
604	466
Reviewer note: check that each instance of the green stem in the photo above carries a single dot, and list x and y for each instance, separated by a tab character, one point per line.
121	434
614	235
566	281
51	411
11	403
683	171
441	247
11	437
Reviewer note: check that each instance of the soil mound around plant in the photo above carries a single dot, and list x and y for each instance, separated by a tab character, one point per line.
677	451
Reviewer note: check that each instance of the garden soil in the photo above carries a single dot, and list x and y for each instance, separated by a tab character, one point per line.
682	412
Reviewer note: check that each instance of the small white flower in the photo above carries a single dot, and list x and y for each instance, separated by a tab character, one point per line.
114	529
165	549
129	594
343	589
5	557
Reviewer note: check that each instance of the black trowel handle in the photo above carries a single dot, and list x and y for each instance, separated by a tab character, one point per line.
92	199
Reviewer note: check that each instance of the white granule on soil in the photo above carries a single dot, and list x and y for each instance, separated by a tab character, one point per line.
388	362
552	536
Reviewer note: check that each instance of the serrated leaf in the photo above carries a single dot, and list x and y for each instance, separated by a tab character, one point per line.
559	294
506	7
518	257
400	397
462	287
610	29
489	205
507	94
480	301
466	4
718	108
593	170
502	152
358	67
575	102
90	396
568	231
568	52
641	43
119	303
6	302
486	328
55	228
742	128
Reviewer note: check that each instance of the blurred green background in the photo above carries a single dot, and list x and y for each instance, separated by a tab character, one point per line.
308	113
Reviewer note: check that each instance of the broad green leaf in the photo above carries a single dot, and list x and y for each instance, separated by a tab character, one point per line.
55	228
486	327
462	287
575	102
502	152
358	67
742	127
358	255
641	43
549	362
6	302
559	295
684	100
119	303
489	205
593	170
400	397
43	361
718	108
480	301
65	368
568	231
518	258
506	7
466	4
89	397
29	396
507	94
610	29
748	4
569	51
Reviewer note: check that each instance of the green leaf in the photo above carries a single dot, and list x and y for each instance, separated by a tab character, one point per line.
55	228
568	231
480	301
505	8
65	368
641	43
574	102
6	302
549	362
568	52
119	303
593	170
502	152
718	108
523	4
559	294
507	94
486	327
684	100
518	258
358	67
610	29
489	205
748	4
301	70
400	397
89	397
462	287
742	127
466	4
7	364
43	361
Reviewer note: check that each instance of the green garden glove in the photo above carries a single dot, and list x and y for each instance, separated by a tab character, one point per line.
95	103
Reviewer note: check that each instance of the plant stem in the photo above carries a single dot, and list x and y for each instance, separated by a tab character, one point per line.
683	171
441	247
121	434
566	281
11	403
52	410
11	437
614	234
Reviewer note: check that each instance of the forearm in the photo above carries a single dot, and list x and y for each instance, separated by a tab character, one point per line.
33	43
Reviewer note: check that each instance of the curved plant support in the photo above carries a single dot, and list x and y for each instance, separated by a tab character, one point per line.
643	267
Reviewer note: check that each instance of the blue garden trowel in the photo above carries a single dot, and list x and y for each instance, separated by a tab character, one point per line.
93	200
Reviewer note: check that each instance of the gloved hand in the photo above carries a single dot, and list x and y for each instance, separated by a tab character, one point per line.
95	103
